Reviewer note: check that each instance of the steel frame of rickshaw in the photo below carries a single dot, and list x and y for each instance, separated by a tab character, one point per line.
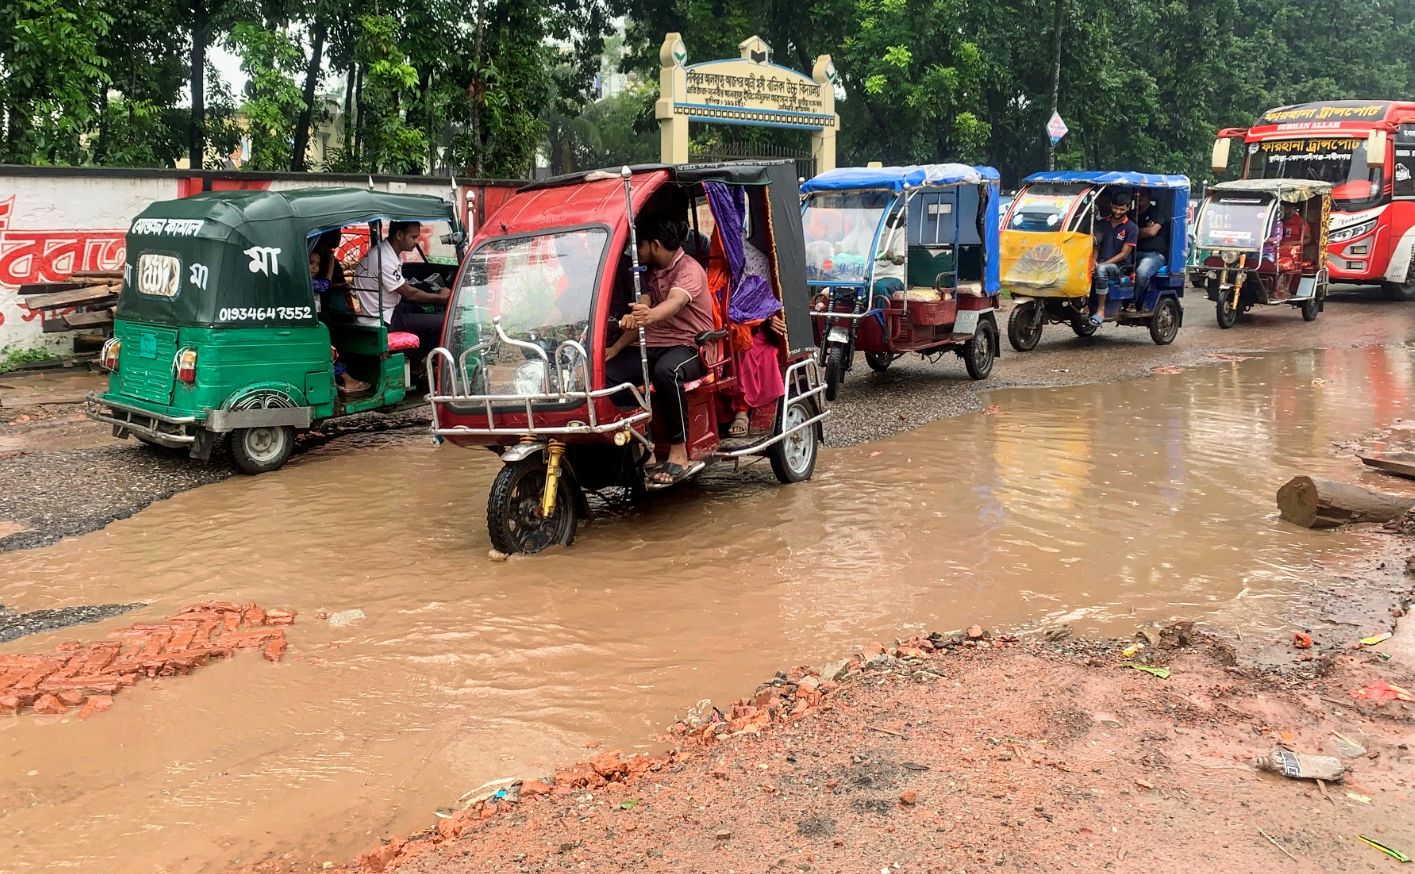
1226	272
518	427
1161	310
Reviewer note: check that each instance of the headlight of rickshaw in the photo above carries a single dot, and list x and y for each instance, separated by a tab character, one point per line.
1230	258
530	378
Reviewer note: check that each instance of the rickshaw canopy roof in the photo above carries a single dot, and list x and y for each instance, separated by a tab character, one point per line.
304	210
1109	177
1286	190
240	257
895	178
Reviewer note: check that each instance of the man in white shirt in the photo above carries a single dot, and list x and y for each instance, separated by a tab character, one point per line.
379	283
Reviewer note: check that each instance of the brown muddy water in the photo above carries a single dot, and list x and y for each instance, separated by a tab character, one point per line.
1105	506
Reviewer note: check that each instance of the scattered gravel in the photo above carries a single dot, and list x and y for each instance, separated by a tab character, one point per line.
15	625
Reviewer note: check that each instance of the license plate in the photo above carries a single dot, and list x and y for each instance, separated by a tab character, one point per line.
147	346
837	335
966	323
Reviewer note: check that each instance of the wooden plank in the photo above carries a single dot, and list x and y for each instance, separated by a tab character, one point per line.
1394	463
101	318
89	296
49	287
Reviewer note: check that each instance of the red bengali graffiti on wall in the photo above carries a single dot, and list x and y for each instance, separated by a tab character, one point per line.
52	254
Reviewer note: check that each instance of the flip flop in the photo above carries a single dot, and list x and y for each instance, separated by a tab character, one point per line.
677	473
1097	320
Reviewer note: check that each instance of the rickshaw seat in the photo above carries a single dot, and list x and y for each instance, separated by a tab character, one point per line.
402	341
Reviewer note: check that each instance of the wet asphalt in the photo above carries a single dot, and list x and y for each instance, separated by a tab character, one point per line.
50	494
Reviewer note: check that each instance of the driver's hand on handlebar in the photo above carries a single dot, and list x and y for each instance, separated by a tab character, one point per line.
627	323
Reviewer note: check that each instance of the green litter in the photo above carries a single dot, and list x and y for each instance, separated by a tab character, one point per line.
630	803
1393	853
1162	673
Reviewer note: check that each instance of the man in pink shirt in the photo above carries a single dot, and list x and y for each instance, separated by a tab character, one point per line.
677	310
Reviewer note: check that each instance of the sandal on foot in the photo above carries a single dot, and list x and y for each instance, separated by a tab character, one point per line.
1097	320
740	425
676	474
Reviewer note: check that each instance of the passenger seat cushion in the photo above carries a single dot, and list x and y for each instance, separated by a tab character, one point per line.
402	341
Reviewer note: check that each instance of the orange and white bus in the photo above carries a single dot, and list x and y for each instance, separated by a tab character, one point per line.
1366	150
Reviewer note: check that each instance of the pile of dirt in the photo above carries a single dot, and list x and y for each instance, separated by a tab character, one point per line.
970	752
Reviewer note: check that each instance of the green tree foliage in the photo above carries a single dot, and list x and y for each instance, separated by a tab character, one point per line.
52	78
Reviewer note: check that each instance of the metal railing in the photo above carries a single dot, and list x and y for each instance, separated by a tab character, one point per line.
814	388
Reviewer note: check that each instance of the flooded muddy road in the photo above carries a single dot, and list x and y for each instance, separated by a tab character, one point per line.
1105	506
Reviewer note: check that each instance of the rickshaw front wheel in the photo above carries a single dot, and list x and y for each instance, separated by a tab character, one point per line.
260	450
834	370
1024	326
1310	308
513	509
1227	315
793	459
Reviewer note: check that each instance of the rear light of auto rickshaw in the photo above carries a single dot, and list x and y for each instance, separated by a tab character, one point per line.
108	358
187	366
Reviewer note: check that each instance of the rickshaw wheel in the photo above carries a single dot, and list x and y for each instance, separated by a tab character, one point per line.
261	450
1227	316
1082	326
513	516
1310	308
978	355
879	361
1024	326
834	370
1164	324
793	459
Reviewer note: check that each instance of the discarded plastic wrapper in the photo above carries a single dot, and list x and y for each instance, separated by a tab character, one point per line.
1132	649
1375	639
1389	851
1290	764
1162	673
1383	691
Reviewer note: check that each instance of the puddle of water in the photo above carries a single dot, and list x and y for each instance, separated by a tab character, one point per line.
1103	505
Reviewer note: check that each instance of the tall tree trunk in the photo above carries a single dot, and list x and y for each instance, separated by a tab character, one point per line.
196	139
358	116
348	109
1057	21
475	94
302	128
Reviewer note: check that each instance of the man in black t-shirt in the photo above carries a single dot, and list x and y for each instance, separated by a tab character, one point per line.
1115	243
1154	242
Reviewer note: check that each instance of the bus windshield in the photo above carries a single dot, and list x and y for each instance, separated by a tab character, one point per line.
1342	162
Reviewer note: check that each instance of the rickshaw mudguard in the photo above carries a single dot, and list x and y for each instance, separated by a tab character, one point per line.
263	405
1054	265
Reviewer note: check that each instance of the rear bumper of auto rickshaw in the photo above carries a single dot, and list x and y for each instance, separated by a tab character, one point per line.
175	432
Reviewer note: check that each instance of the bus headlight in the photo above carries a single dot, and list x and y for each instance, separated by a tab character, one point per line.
1352	232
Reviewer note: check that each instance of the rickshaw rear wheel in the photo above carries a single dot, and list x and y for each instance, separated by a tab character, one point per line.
980	352
1164	324
1227	316
1082	326
1310	308
879	361
513	517
260	450
834	370
793	459
1025	325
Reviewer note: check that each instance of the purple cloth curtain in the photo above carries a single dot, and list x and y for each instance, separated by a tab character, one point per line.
752	298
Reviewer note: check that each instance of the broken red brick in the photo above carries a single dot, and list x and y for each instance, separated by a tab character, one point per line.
95	704
532	788
50	705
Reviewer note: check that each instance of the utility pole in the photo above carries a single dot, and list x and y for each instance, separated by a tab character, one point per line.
1055	75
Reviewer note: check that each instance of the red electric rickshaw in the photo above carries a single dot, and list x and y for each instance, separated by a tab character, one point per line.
522	366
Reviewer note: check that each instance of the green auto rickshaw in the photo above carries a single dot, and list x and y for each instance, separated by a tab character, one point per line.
220	334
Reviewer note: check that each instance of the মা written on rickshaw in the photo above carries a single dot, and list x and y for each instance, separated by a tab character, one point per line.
770	90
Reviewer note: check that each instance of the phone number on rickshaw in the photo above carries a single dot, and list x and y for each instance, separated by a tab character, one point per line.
263	314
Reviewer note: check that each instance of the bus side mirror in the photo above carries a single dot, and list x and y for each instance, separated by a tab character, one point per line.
1376	146
1219	161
